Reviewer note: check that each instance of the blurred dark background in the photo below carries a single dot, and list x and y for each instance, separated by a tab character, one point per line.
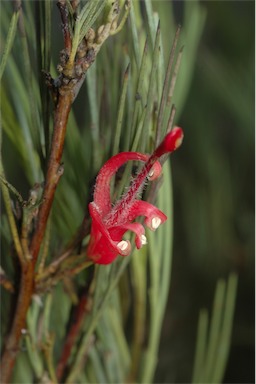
214	193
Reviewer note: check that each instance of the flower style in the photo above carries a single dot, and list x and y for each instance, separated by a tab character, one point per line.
110	222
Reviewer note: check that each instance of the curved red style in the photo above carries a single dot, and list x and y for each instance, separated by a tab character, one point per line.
110	222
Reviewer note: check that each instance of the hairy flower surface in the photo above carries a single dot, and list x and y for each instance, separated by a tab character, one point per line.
110	222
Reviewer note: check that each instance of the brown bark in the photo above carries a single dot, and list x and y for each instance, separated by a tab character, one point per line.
26	290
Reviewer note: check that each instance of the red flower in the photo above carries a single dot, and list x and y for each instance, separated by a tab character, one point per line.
110	222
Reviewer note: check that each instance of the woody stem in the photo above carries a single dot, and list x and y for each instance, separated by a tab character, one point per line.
27	273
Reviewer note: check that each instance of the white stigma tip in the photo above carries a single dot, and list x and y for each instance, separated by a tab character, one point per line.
178	142
156	221
151	173
143	239
123	245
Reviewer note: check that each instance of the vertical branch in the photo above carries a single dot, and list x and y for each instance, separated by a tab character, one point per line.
65	26
12	343
54	170
74	331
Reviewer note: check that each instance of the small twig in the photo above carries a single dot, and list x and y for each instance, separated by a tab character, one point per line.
62	5
12	189
77	269
79	314
70	268
83	231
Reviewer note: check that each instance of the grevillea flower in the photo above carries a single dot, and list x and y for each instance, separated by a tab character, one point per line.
110	222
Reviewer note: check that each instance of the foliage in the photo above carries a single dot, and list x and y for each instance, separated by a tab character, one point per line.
88	323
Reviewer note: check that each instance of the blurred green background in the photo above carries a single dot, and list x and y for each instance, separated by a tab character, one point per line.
213	176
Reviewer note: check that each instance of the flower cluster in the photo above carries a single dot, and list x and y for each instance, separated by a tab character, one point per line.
110	222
